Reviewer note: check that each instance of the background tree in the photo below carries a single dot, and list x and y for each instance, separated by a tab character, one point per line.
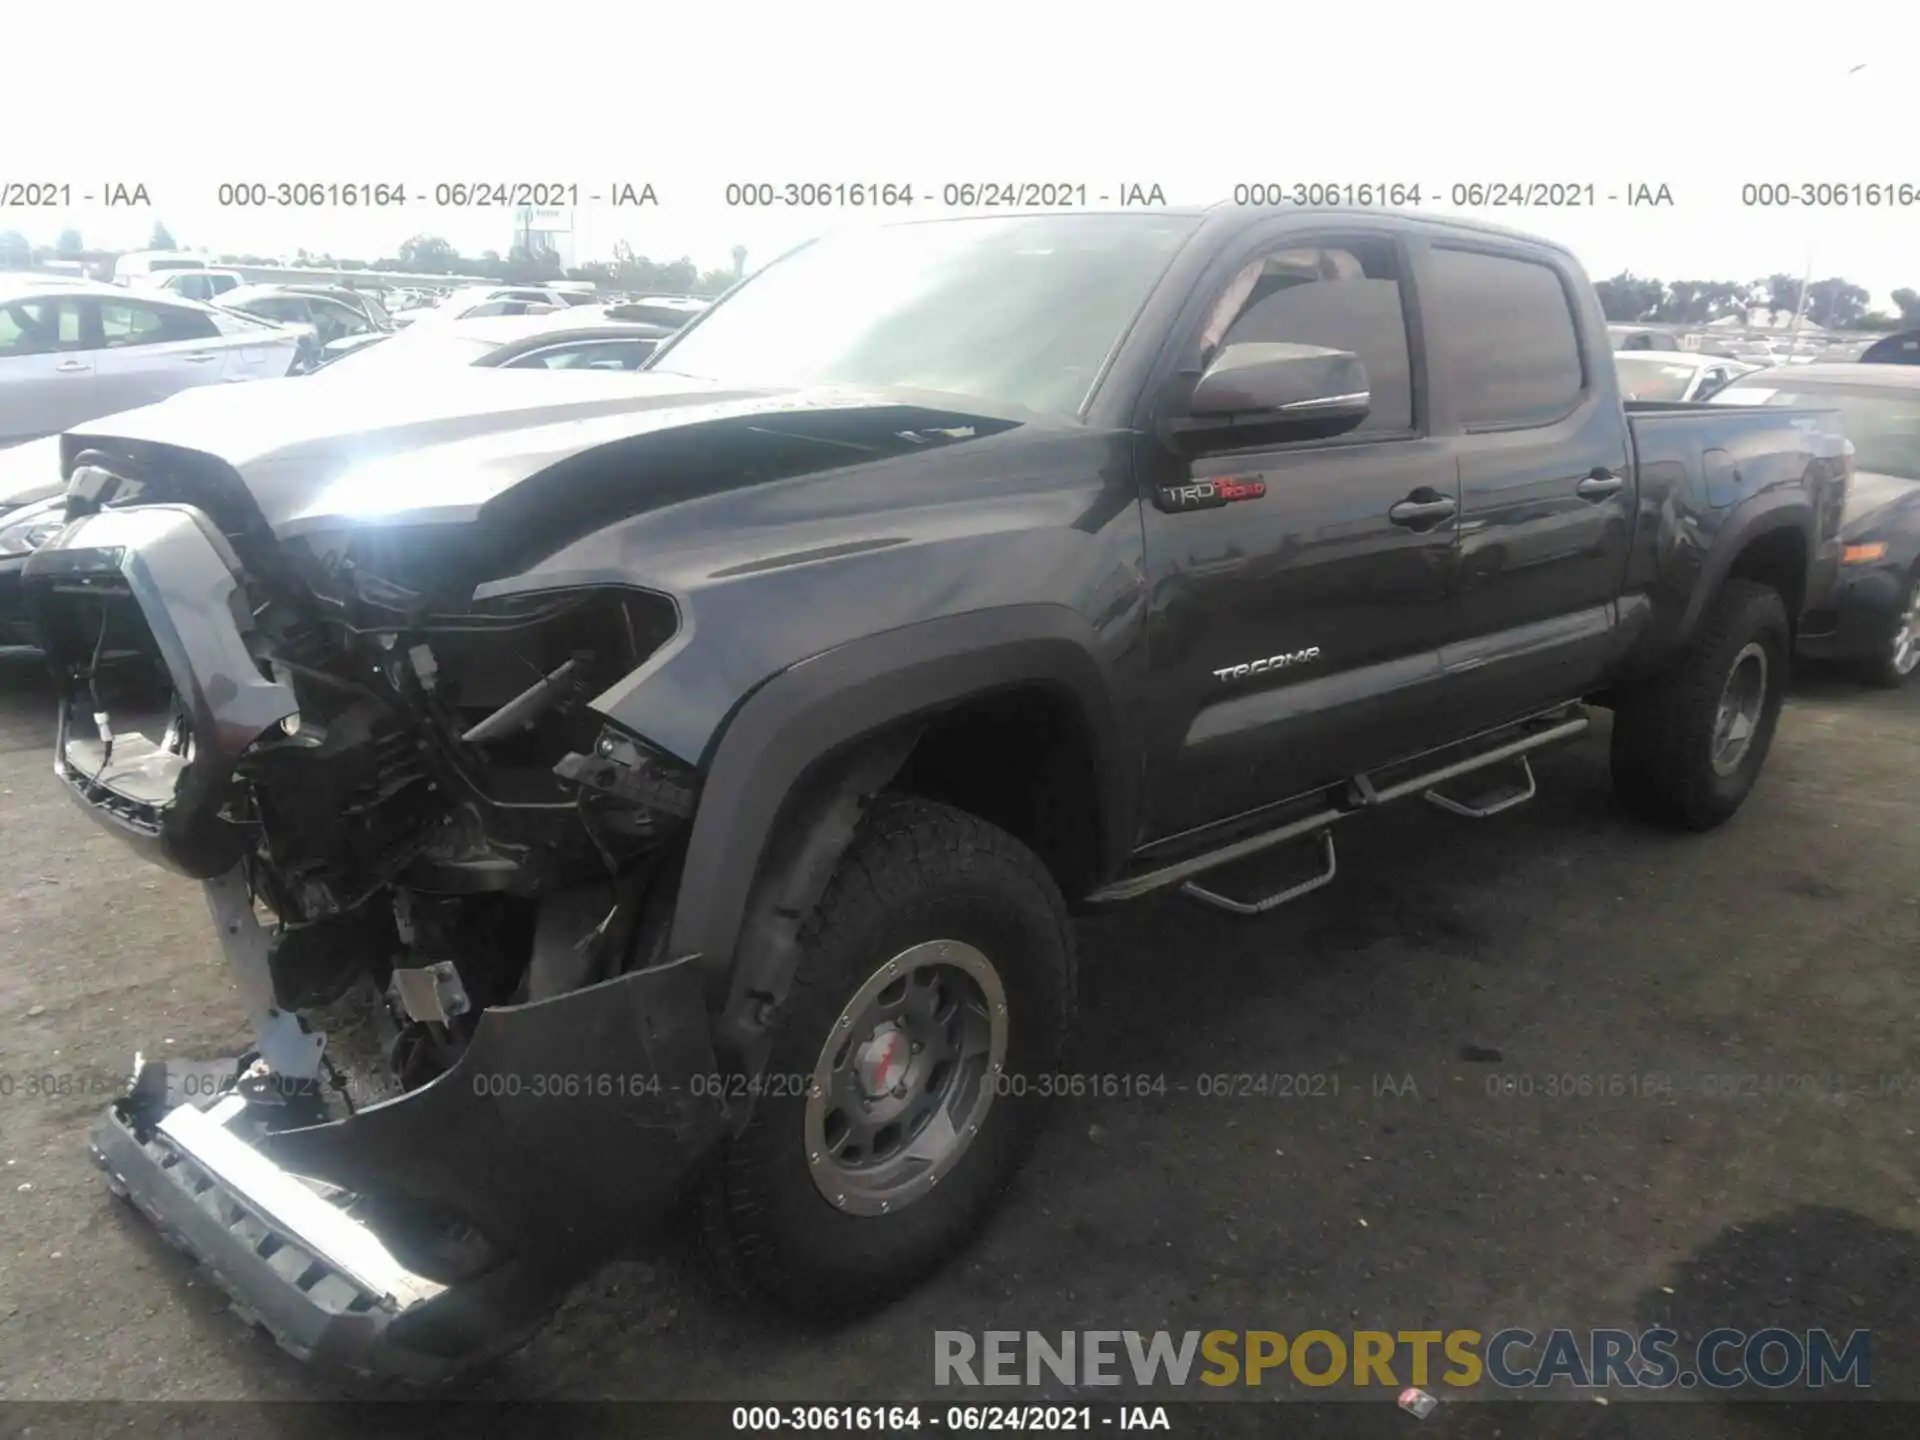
15	252
161	238
68	242
1907	301
1835	304
739	261
1627	297
430	255
1781	295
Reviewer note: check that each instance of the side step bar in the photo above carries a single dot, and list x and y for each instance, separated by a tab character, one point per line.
1329	867
1363	793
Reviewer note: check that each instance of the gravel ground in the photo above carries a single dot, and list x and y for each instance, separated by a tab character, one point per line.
1558	940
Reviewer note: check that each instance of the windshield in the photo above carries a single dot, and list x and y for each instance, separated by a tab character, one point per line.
1020	312
1645	377
1884	425
412	350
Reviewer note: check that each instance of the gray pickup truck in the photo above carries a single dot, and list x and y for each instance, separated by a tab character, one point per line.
689	774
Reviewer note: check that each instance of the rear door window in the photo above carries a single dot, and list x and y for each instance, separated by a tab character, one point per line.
125	323
1503	329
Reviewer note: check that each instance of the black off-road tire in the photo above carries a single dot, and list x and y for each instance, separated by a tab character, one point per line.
1663	729
915	872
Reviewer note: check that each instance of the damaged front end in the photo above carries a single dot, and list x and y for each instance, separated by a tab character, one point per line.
405	813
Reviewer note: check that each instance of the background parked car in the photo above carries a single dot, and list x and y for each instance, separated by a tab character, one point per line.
1675	374
573	339
1902	348
329	317
483	300
1873	621
70	353
142	267
669	310
32	506
1634	337
204	285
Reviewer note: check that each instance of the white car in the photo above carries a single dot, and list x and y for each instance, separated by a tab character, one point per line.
71	353
197	284
1675	374
480	301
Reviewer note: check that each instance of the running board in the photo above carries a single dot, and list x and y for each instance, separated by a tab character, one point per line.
1330	866
1494	807
1363	793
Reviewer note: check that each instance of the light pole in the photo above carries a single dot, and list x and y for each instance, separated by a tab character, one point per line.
1800	309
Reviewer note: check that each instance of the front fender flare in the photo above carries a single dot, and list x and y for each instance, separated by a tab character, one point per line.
822	707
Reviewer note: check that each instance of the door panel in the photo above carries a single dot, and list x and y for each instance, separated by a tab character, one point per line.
143	358
46	375
1546	485
44	394
1314	569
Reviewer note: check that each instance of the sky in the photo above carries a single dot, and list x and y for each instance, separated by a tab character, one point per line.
1197	101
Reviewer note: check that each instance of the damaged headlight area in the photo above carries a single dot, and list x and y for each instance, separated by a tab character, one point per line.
442	776
442	882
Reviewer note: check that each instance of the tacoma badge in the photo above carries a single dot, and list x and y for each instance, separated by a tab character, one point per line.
1272	662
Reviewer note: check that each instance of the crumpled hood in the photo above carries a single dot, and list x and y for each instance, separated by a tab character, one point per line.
317	456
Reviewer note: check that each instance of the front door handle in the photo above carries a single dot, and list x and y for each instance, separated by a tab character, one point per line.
69	367
1599	485
1415	513
200	357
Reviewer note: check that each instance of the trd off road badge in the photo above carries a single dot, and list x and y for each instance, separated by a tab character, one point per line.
1208	494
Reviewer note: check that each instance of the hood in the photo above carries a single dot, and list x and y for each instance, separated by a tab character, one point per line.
368	451
30	472
1870	496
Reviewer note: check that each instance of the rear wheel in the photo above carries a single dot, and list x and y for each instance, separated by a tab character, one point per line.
1899	654
1688	745
936	978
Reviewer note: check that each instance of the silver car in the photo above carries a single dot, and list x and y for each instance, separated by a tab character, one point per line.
72	352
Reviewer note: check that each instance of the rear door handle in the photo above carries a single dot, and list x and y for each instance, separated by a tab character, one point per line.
1599	485
69	367
200	357
1414	513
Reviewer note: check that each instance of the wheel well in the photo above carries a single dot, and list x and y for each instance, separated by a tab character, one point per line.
1021	759
1778	559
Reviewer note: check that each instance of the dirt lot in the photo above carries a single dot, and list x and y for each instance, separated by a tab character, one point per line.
1559	940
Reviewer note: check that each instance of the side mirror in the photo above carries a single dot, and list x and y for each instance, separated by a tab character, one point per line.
1291	392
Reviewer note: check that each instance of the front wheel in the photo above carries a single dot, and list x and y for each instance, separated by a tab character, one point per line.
1688	745
936	977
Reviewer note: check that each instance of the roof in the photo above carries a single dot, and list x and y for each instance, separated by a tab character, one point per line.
95	289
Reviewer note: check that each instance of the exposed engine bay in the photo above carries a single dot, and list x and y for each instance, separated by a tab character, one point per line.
439	776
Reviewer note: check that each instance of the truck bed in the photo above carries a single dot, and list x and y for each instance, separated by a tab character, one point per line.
1704	468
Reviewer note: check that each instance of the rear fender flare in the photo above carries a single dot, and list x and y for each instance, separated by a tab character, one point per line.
1760	516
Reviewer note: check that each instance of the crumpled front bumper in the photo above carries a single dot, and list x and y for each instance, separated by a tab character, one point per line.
567	1124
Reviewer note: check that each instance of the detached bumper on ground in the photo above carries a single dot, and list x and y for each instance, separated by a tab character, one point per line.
567	1124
